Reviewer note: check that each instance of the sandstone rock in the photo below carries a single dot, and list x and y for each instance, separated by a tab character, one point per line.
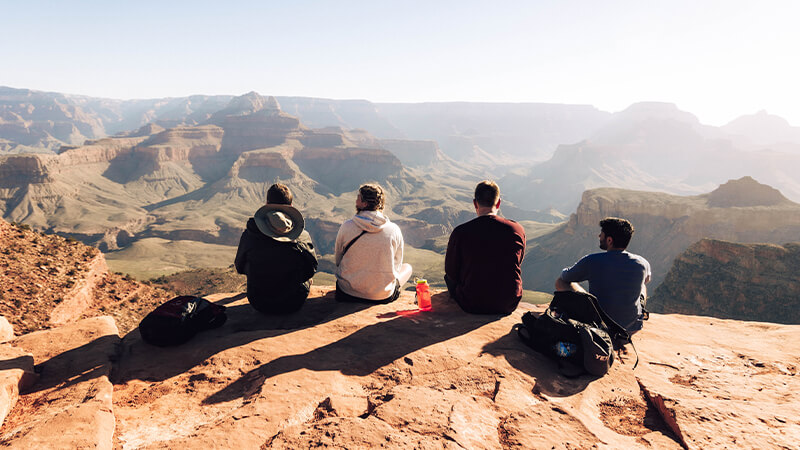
49	280
414	153
70	406
357	376
16	374
81	296
723	383
345	169
665	224
745	192
733	281
384	376
6	330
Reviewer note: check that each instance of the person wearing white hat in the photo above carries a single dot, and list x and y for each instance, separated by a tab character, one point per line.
277	255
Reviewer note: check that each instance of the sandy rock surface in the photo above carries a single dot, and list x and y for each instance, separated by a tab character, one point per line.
6	330
70	406
16	374
383	376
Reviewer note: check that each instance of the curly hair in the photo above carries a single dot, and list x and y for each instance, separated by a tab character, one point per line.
372	194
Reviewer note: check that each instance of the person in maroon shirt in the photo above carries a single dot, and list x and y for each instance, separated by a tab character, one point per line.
482	265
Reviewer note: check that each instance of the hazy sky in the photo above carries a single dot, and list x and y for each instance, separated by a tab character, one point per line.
716	59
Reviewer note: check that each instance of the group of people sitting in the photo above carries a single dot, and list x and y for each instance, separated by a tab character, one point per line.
483	270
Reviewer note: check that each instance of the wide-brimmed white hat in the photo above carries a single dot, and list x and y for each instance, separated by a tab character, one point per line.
280	222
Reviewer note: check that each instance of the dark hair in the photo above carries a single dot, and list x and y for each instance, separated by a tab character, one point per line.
620	230
487	193
372	194
279	194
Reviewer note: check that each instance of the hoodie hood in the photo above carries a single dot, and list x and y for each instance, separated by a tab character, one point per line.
370	221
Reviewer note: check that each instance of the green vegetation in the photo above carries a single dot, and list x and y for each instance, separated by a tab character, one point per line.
324	279
153	257
202	281
536	297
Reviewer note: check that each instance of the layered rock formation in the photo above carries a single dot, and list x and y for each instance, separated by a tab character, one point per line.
650	146
740	211
733	281
192	182
47	120
414	153
355	376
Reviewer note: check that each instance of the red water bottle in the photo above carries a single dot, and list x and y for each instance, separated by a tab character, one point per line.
423	295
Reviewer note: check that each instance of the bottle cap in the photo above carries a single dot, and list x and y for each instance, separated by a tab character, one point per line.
422	281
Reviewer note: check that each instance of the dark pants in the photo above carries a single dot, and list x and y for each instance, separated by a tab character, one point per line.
342	296
451	290
289	301
451	286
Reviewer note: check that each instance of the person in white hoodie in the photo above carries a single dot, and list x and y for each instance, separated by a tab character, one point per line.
369	252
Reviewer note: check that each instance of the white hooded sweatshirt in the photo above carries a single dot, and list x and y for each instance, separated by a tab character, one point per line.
371	266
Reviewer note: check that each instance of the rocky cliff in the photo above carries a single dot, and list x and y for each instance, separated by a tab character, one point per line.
740	210
733	281
355	376
48	281
113	191
362	376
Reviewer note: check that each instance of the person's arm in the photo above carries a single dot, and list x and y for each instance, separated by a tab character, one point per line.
562	285
452	259
308	260
521	232
338	247
570	276
399	244
240	262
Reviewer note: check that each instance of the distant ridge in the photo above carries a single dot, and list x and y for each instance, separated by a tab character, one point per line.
745	192
665	226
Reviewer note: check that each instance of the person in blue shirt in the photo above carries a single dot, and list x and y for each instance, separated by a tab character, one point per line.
617	278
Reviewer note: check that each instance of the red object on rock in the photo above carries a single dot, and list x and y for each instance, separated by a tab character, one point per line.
423	295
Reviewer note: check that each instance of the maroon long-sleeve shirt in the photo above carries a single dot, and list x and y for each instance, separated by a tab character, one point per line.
483	264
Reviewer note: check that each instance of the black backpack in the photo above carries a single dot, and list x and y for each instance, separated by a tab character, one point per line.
575	322
179	319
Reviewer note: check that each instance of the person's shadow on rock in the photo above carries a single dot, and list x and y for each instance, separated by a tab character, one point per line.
549	381
139	360
369	348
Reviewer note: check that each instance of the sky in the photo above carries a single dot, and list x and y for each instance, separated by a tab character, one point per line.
716	59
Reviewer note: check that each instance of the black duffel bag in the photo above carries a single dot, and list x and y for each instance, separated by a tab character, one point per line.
179	319
576	332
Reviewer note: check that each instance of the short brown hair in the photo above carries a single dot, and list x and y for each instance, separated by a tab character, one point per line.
372	194
487	193
279	194
619	230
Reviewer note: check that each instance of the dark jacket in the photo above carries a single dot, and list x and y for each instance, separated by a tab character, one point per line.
278	273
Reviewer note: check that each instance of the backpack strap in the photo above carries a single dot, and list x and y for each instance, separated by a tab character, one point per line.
350	244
